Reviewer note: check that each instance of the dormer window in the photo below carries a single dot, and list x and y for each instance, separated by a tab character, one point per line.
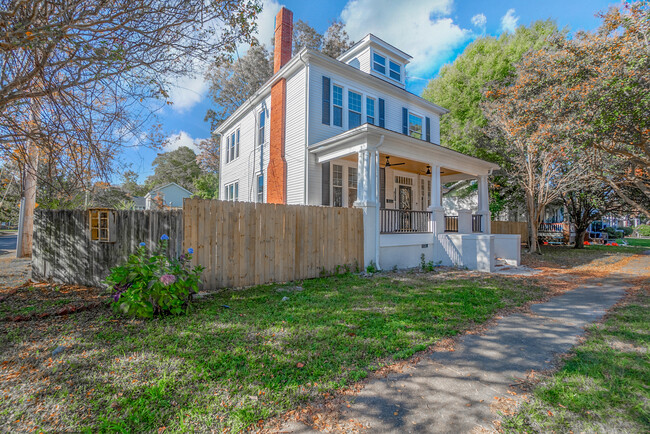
379	63
395	71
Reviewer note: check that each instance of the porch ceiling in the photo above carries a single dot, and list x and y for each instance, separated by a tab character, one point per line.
411	166
416	153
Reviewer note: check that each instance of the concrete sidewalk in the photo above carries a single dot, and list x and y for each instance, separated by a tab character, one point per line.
461	391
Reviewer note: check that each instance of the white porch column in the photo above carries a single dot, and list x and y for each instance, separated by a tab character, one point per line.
437	211
366	200
464	221
484	204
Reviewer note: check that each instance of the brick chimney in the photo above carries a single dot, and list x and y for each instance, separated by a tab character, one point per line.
277	169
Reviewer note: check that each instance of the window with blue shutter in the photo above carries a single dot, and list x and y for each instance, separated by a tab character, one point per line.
428	127
326	100
337	103
405	121
382	113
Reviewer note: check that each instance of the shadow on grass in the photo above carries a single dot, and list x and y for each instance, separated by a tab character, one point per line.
232	366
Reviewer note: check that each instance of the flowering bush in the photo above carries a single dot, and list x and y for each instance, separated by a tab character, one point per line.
151	284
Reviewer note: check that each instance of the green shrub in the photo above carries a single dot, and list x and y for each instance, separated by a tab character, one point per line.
643	230
627	230
150	283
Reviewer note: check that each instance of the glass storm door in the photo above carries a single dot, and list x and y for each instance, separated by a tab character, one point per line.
405	203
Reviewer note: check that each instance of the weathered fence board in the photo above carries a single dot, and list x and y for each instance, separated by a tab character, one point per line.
63	251
520	228
243	244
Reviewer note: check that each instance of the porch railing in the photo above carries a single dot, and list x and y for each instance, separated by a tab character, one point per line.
477	220
451	223
399	221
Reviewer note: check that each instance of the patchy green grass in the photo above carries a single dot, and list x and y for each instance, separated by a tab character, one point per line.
639	242
603	386
591	256
239	357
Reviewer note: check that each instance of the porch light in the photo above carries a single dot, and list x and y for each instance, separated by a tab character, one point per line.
428	170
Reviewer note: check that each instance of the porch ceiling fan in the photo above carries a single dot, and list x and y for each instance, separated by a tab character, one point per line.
388	164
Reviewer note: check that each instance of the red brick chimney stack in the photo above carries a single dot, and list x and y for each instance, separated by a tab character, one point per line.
277	169
283	36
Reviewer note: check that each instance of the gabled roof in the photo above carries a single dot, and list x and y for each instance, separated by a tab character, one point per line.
372	40
165	186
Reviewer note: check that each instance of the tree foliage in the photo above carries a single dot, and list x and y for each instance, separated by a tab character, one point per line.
233	81
459	86
179	166
75	74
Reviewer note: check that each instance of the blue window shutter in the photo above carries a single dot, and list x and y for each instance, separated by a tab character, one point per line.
428	120
382	113
405	121
326	100
325	184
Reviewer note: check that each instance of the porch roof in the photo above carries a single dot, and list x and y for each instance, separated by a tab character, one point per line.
372	137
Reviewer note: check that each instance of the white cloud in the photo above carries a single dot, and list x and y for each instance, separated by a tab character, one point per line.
266	21
509	21
185	92
182	138
479	20
421	28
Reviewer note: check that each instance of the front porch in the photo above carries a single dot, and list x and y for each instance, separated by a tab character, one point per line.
399	182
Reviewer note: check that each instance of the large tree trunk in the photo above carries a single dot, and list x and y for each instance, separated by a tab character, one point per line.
533	218
24	249
580	238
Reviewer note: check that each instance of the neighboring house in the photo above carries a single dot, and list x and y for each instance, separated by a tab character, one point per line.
345	132
139	203
170	195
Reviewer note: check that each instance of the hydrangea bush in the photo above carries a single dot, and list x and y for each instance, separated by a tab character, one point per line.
150	283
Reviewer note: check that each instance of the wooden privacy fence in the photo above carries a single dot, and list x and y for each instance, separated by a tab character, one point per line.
64	251
520	228
243	244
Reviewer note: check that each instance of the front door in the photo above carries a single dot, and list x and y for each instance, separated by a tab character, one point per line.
405	194
405	204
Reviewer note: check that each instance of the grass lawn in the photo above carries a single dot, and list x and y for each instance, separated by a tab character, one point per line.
603	386
239	357
591	256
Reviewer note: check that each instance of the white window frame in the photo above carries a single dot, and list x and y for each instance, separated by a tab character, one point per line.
345	196
387	69
360	112
390	70
232	191
375	108
232	145
257	187
342	106
421	117
385	66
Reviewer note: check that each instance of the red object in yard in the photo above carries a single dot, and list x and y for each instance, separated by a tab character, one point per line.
546	243
615	244
587	243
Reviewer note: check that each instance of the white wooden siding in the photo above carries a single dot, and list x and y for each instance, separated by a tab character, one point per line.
294	145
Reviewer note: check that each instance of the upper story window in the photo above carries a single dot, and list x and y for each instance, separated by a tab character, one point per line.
415	126
370	110
395	71
261	133
354	109
232	146
337	103
379	63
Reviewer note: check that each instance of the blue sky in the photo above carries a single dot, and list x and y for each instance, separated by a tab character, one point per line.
434	32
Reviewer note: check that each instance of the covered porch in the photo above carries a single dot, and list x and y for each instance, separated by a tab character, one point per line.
398	182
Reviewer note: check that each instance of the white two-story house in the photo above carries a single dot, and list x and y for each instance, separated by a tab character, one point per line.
345	132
